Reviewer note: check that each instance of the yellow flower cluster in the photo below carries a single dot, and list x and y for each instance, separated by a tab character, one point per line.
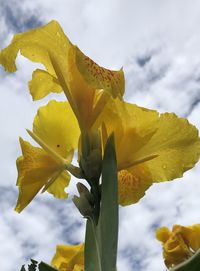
179	244
150	147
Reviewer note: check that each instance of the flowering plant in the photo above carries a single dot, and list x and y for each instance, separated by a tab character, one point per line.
122	148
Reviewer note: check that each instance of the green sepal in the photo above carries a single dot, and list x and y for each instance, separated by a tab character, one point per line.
192	264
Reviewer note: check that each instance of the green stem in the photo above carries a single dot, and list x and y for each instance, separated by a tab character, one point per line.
95	192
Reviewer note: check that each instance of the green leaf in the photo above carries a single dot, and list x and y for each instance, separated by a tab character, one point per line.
23	268
41	267
101	240
32	266
192	264
45	267
92	249
108	221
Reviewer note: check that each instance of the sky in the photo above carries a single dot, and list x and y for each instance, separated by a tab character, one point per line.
157	43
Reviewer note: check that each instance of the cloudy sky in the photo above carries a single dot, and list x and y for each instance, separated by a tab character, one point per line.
157	43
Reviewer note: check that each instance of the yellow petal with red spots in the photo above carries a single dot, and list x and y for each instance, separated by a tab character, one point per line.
99	77
164	145
132	185
78	76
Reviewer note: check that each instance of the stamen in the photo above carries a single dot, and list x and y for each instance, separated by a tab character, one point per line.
63	83
51	181
140	161
59	159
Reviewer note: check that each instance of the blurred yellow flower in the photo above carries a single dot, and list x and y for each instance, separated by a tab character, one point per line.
56	128
86	85
69	258
179	244
150	147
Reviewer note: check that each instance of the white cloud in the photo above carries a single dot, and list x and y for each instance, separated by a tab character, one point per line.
158	44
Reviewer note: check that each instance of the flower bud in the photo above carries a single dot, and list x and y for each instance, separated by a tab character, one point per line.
82	189
91	155
83	205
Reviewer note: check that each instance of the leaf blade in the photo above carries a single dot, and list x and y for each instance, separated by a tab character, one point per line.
45	267
108	221
92	259
192	264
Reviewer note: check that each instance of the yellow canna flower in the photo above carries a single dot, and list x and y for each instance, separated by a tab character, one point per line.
179	244
150	147
69	258
56	129
86	85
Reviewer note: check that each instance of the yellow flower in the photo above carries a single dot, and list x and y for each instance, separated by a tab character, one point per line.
150	147
69	258
86	85
179	244
56	129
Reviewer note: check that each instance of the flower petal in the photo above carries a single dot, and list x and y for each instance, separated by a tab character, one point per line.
57	126
162	234
132	185
57	188
178	244
99	77
78	267
82	94
192	235
68	257
36	45
133	126
42	84
172	142
177	144
39	45
78	76
35	168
